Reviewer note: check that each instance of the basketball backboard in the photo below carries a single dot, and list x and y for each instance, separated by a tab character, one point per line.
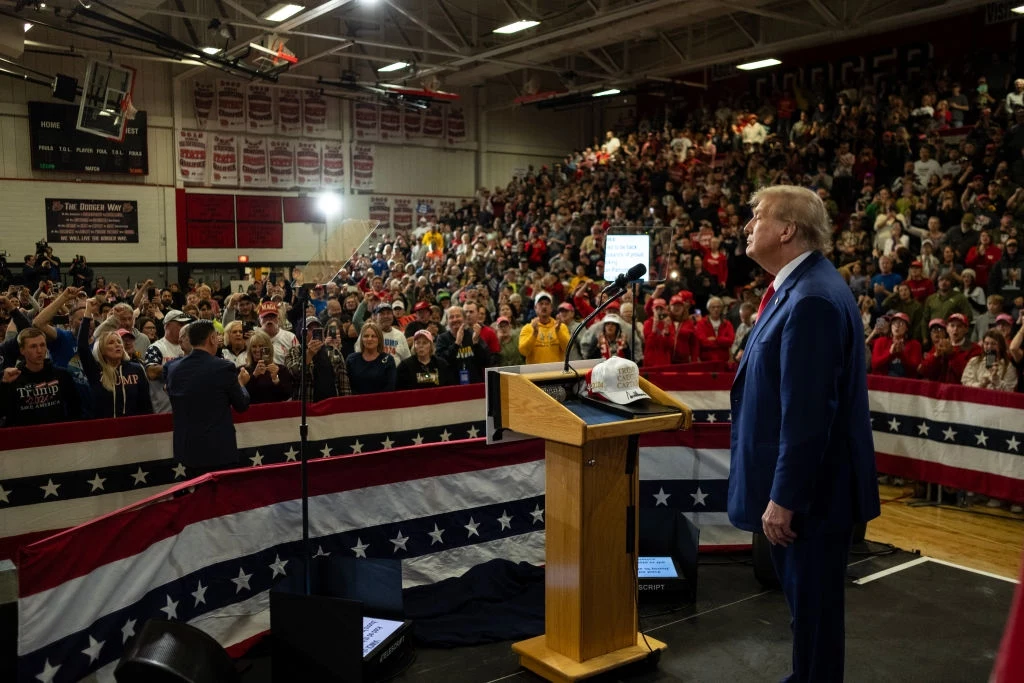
106	100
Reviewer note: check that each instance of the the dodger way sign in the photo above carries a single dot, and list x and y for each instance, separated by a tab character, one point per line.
92	220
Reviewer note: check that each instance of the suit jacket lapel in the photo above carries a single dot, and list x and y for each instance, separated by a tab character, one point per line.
776	302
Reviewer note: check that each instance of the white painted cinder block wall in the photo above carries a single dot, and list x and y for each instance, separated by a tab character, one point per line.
506	139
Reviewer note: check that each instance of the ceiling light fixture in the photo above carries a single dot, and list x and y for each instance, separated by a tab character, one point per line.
281	11
603	93
27	27
211	50
761	64
394	67
516	27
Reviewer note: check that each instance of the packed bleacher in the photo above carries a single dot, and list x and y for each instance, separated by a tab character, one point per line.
924	182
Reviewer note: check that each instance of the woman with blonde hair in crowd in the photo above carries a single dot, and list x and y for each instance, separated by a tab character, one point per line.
118	384
371	369
269	382
235	346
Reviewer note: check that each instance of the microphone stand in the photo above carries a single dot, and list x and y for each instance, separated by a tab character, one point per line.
632	325
301	299
583	325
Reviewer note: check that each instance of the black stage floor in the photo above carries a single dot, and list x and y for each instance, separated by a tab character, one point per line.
926	622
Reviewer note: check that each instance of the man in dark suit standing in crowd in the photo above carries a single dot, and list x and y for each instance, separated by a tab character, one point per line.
803	460
203	388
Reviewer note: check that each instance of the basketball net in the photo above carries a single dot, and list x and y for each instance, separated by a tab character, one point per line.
129	108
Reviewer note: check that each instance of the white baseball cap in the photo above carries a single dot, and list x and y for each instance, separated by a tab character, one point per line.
616	380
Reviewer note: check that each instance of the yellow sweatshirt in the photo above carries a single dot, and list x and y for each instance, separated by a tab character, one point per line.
548	346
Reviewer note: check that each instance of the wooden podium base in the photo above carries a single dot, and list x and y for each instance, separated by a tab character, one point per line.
535	655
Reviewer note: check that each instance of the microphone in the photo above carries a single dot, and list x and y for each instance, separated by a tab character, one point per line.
634	273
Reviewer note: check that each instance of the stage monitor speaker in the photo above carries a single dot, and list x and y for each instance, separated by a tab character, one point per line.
330	635
174	652
667	558
65	87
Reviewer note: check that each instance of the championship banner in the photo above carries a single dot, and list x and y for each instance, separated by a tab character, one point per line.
333	162
365	121
362	167
390	122
380	210
403	213
192	156
202	103
308	165
282	163
425	209
456	121
314	112
289	111
433	122
255	167
225	160
230	105
413	124
260	109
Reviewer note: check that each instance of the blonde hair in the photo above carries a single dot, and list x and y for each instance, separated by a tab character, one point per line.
260	338
369	324
803	208
108	372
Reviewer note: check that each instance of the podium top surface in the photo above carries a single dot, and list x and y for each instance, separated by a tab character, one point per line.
528	408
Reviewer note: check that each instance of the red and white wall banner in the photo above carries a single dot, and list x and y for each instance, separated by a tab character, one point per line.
314	113
289	111
413	123
307	163
391	123
362	167
260	108
333	161
192	156
282	162
403	213
225	160
255	167
202	103
380	210
433	122
365	121
230	105
456	126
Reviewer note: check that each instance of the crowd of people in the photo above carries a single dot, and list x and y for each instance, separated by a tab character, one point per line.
924	184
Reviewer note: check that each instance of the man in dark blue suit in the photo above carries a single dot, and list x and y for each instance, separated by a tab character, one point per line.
803	461
203	388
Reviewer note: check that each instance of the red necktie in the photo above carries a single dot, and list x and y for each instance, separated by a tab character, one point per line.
769	293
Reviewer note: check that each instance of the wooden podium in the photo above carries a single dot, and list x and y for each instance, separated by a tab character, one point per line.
591	518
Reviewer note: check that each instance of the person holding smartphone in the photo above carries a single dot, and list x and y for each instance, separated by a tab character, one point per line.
993	369
327	371
269	381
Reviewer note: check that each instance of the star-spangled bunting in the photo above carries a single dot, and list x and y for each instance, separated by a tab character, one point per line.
162	473
231	581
